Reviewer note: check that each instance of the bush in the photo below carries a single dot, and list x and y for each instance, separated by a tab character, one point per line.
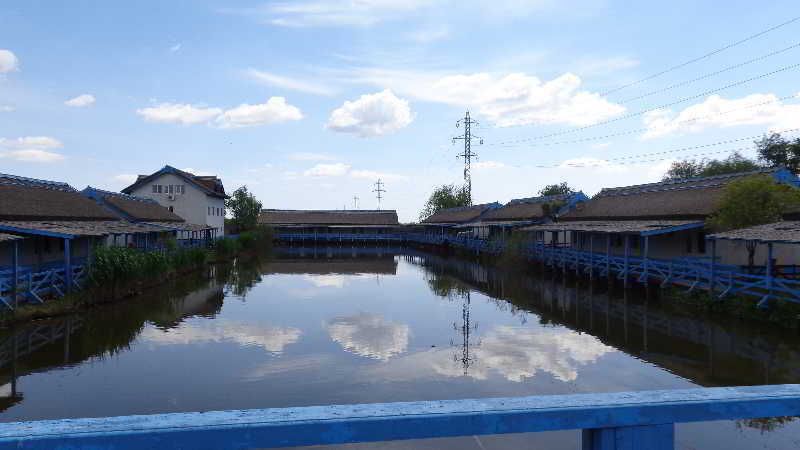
226	246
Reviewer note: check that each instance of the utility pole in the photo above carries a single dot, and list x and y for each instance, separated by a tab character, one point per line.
467	155
378	190
355	202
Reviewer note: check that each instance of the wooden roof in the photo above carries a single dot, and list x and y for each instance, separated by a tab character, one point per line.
130	207
781	232
461	214
76	228
38	201
523	208
693	198
327	217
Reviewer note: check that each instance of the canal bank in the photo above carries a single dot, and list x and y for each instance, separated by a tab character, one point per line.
339	325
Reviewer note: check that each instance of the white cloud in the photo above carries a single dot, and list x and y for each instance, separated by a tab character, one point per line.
718	112
292	83
31	149
327	170
276	110
339	12
369	335
600	145
176	47
198	172
505	99
427	35
6	108
488	165
335	281
594	164
81	100
372	115
180	113
309	156
8	61
125	178
372	175
271	338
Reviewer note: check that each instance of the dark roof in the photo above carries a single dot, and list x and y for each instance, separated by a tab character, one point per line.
211	185
523	208
617	226
133	208
786	232
74	228
461	214
327	217
692	198
30	199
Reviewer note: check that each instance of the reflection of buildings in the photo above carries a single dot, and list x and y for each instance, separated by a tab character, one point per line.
709	351
332	260
45	346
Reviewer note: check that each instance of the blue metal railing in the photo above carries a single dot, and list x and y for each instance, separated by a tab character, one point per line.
609	421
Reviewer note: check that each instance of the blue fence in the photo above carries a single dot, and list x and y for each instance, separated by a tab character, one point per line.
36	283
614	421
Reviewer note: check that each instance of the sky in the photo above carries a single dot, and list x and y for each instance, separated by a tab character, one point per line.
309	102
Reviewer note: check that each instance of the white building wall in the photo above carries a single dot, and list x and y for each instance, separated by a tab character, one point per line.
193	205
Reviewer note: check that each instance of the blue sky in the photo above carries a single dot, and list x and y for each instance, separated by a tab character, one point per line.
308	102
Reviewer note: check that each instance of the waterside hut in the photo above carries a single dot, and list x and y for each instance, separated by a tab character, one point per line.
292	224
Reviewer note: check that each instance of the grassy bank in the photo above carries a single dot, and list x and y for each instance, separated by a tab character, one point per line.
117	273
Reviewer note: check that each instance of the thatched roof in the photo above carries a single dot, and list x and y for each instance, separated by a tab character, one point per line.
76	228
784	232
43	200
133	208
327	217
693	198
616	226
524	208
461	214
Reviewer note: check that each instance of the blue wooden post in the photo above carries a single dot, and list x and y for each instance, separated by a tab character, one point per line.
770	269
713	266
646	275
67	266
653	437
15	271
627	251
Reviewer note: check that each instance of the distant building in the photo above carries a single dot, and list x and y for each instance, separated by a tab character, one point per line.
197	199
664	220
309	222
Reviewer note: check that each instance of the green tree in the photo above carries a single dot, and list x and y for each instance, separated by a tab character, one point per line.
775	150
443	197
556	189
691	168
754	200
245	209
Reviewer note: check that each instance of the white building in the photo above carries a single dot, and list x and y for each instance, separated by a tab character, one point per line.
197	199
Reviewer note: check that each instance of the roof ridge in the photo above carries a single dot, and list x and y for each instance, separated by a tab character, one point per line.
62	188
123	195
694	179
664	189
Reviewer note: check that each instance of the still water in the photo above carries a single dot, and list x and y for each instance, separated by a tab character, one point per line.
339	325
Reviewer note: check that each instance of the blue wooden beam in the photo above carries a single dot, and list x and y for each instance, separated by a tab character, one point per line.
666	230
625	413
28	231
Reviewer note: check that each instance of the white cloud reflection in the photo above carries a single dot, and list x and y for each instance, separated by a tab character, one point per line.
369	335
271	338
515	353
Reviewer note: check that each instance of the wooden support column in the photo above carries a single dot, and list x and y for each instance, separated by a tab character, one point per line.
713	265
15	271
67	266
655	437
646	275
627	253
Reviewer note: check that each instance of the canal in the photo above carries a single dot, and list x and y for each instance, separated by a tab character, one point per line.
317	326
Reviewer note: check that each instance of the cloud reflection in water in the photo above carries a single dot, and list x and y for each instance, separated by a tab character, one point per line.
369	335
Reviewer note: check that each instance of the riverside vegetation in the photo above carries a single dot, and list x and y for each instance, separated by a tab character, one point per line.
117	272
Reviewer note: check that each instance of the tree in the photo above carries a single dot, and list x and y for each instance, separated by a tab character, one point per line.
754	200
691	168
556	189
443	197
245	209
774	150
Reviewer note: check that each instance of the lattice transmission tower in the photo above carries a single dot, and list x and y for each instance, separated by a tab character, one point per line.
378	190
468	154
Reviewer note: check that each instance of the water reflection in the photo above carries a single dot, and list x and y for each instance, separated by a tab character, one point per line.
369	335
270	338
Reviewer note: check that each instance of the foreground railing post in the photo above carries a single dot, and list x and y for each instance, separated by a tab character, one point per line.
651	437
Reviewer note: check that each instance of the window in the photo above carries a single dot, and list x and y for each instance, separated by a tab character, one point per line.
209	210
155	189
171	188
181	189
160	188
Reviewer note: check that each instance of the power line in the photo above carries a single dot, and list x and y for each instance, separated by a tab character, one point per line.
700	58
709	75
378	190
467	155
